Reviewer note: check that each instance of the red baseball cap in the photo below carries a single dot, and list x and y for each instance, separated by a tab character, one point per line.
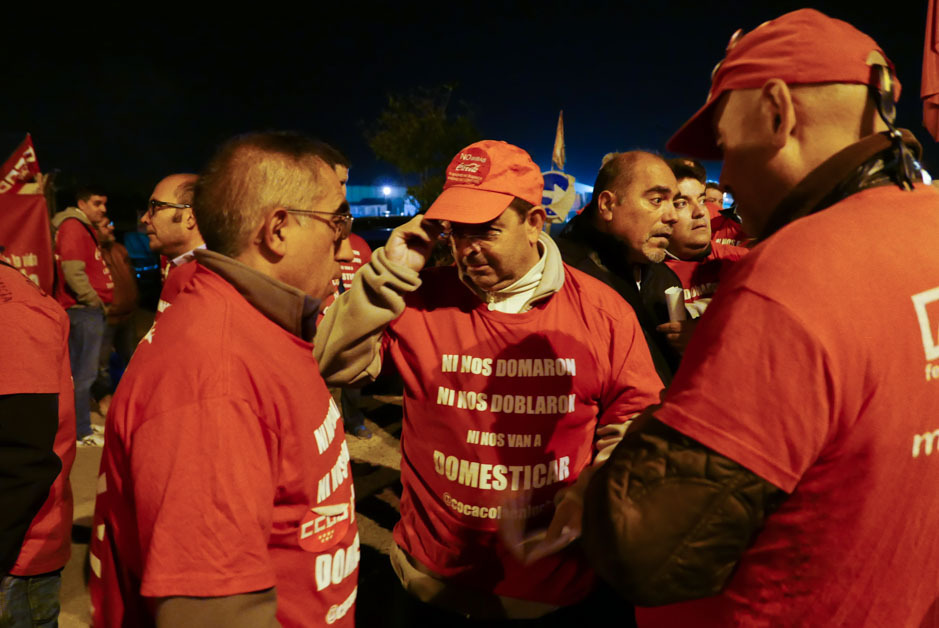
483	179
802	47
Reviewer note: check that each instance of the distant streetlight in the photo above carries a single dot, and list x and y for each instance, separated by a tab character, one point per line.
386	190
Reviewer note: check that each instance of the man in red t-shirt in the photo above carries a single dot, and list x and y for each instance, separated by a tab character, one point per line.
84	287
698	261
173	233
519	373
37	448
788	478
225	496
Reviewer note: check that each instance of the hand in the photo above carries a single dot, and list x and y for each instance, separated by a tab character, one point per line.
678	333
564	529
412	243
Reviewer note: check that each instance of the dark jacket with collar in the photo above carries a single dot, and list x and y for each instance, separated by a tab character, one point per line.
603	257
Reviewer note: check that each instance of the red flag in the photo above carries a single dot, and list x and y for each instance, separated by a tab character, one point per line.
20	168
557	156
25	240
930	89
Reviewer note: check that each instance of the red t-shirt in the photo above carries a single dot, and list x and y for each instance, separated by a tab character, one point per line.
225	470
728	231
76	242
174	281
700	278
362	255
496	405
34	341
808	369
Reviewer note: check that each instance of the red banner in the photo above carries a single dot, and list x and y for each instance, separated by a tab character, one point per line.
25	240
20	168
929	91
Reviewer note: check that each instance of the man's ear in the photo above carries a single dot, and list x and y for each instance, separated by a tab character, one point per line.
777	112
605	203
271	238
535	220
190	220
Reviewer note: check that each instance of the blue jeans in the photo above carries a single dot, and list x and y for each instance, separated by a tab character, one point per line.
30	601
84	348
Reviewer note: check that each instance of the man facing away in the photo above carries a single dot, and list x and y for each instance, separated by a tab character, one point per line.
518	372
791	468
225	496
37	448
85	289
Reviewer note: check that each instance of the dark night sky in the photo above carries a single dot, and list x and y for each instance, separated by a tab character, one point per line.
124	98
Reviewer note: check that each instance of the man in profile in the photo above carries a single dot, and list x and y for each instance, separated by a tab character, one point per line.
225	496
172	231
790	470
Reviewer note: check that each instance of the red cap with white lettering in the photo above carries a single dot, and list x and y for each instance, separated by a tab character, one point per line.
483	179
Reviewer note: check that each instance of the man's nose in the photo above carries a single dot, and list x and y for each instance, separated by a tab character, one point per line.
145	219
344	252
669	216
699	210
465	245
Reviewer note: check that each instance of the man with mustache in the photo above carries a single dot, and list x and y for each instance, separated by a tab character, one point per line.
620	238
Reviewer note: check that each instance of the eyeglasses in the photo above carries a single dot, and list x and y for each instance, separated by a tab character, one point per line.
341	221
155	206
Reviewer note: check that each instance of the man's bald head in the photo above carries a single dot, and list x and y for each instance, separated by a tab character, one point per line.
177	188
171	230
773	136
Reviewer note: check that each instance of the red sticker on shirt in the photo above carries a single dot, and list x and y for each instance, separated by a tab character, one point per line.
469	167
324	526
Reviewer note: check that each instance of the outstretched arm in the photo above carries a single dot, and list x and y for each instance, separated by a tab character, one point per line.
347	345
666	519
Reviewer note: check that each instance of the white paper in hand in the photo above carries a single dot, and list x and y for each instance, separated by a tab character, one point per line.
675	299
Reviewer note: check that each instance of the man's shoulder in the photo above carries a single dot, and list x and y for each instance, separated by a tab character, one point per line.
595	295
870	236
70	216
18	295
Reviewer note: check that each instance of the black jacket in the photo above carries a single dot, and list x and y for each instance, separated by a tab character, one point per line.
603	257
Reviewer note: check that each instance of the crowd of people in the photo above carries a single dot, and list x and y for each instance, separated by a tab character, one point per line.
661	417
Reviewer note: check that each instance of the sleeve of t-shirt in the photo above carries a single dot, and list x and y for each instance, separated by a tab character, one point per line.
72	241
754	385
633	384
204	494
32	350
